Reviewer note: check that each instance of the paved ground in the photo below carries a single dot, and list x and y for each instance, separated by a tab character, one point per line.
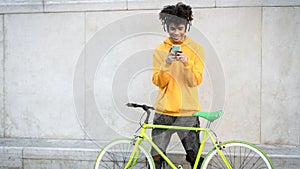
73	154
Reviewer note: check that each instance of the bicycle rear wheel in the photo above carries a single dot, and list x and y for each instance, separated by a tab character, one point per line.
116	154
240	155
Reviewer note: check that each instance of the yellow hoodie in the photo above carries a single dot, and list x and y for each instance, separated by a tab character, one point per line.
177	82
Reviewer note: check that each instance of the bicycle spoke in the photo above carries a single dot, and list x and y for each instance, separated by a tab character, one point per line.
217	163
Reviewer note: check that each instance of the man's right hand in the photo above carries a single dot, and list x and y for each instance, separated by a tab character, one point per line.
170	57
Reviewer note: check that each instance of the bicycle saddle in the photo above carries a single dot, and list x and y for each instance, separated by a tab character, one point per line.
210	116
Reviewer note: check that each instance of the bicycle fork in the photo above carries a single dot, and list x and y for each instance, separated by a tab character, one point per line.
135	154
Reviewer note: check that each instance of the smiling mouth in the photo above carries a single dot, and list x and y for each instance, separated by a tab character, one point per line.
176	38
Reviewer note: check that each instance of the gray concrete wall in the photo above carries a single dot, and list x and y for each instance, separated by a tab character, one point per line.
68	67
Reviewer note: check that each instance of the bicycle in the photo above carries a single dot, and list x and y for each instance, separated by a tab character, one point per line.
126	153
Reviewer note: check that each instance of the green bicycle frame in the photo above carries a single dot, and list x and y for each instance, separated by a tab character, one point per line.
143	135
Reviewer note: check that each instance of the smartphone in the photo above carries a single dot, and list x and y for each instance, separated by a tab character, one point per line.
175	49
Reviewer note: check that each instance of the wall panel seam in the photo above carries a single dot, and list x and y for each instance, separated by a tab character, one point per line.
3	78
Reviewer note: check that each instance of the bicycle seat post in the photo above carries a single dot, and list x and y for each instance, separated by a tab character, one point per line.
208	124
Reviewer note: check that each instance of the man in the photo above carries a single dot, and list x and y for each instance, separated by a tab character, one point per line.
177	75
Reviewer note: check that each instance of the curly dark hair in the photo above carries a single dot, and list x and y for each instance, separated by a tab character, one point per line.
177	14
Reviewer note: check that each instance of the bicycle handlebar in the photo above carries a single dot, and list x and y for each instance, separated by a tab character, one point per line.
144	107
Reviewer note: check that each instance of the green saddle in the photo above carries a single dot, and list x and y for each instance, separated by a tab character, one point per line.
210	116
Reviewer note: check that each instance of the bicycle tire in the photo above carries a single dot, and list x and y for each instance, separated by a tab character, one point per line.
115	155
240	155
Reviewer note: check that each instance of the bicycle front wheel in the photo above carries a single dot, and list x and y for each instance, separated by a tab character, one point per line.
116	155
240	155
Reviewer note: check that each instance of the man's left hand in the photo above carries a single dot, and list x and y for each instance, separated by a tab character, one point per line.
181	57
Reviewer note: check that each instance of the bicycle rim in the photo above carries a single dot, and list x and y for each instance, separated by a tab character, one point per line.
116	155
240	155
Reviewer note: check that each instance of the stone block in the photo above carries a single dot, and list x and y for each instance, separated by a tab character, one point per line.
280	76
42	51
54	153
16	6
57	164
72	164
220	3
285	162
10	157
86	5
281	3
156	4
37	164
235	35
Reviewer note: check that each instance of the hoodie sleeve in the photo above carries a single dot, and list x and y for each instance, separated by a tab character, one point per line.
160	74
194	68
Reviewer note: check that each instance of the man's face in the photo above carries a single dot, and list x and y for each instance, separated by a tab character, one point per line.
177	32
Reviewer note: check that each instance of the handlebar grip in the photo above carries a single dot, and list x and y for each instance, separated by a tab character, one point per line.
145	107
131	105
